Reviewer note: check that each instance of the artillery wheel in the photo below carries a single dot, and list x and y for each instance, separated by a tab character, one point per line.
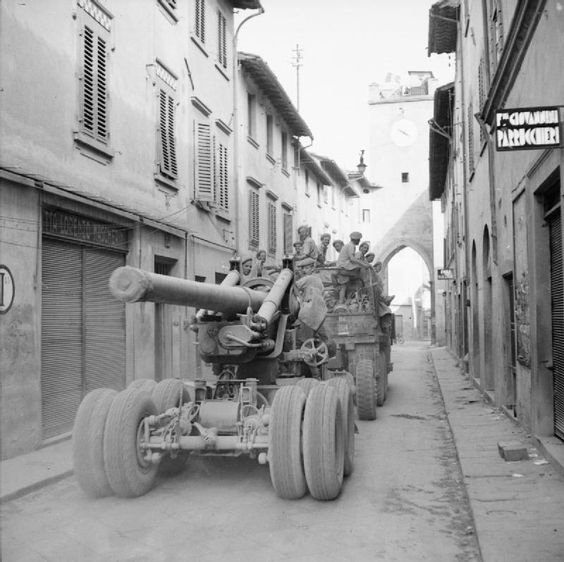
166	394
307	384
142	384
285	450
129	473
345	396
324	443
366	390
88	440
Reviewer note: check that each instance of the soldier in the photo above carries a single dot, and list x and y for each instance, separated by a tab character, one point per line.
309	249
349	265
323	247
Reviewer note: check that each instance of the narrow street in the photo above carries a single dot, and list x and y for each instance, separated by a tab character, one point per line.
404	502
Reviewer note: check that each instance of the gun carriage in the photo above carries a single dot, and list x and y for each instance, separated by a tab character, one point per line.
270	400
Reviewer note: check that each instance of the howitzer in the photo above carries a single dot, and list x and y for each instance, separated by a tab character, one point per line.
304	431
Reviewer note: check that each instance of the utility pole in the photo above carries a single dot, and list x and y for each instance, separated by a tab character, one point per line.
296	63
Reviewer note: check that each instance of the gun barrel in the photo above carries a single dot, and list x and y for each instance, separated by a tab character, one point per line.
130	284
274	298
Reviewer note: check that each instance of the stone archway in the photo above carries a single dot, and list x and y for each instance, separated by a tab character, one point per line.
413	230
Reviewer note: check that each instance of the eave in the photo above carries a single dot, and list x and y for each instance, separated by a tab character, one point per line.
269	85
246	4
310	162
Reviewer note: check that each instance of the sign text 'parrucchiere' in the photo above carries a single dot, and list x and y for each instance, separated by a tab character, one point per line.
527	128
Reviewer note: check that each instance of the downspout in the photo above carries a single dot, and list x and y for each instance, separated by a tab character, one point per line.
236	136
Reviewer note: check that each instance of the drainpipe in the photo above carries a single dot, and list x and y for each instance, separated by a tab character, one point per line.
236	133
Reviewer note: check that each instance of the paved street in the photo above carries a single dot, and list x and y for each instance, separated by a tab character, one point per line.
403	502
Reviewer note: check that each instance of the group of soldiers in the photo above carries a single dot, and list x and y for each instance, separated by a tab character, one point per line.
340	280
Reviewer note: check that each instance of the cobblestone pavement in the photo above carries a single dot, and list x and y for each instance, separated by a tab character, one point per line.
406	501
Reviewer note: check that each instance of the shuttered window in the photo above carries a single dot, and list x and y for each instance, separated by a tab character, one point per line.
288	230
221	180
496	34
82	332
482	93
254	230
284	150
221	39
167	142
93	74
200	20
272	227
203	161
470	126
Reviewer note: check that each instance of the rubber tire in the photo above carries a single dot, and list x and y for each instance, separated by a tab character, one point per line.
127	477
142	384
88	442
285	446
366	390
307	384
165	394
323	443
381	380
345	395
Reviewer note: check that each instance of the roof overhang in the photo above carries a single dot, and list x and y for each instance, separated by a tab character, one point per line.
440	135
333	169
310	162
443	27
246	4
266	80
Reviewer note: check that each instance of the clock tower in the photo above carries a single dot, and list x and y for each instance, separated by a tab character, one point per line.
399	111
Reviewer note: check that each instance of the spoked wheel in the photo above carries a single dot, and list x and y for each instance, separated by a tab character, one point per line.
128	471
324	443
345	395
318	350
285	449
366	390
307	384
88	441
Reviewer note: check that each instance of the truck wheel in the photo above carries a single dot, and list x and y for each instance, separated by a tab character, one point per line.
285	448
324	443
307	384
88	440
345	395
381	379
142	384
366	390
166	393
128	472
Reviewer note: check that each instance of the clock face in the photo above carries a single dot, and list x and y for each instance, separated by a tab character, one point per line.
403	132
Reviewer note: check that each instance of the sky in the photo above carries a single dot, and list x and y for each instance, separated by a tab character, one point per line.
346	45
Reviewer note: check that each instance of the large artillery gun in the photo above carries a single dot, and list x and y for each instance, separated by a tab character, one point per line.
273	398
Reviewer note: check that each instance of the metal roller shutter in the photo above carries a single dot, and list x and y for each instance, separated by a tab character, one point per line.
83	330
557	294
61	336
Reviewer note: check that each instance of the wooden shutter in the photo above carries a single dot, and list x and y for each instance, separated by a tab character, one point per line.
167	144
221	39
94	90
254	218
470	139
222	177
200	20
271	227
203	164
557	298
288	229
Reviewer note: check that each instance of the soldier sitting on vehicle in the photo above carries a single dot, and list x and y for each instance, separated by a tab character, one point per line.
350	266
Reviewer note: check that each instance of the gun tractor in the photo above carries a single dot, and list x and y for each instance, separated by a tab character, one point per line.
274	399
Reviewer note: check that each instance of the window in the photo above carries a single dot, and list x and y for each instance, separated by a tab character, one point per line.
166	84
405	177
496	34
482	92
203	164
251	114
307	183
169	6
284	150
325	194
200	20
288	229
269	134
221	39
254	231
271	227
95	27
365	215
221	183
333	196
319	188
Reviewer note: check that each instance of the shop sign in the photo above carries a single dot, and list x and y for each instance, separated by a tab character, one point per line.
445	274
7	289
527	128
